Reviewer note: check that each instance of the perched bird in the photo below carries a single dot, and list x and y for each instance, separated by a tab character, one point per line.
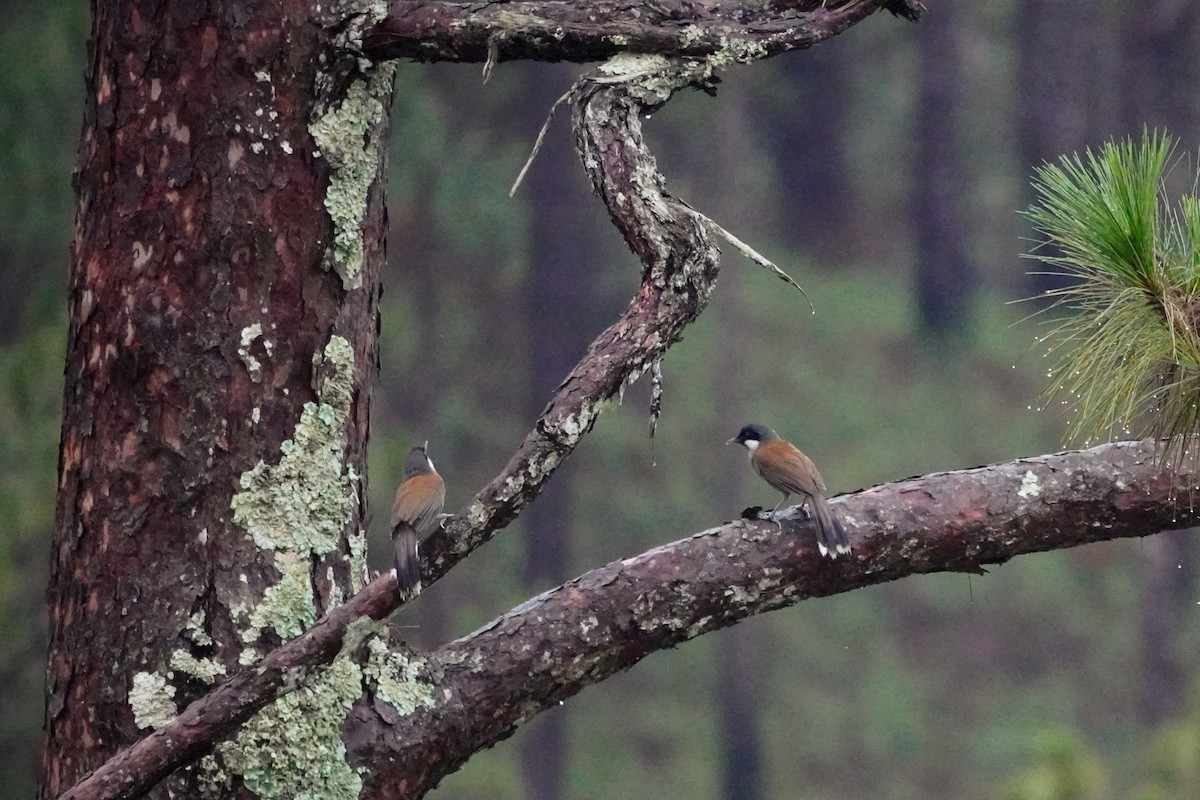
780	464
415	511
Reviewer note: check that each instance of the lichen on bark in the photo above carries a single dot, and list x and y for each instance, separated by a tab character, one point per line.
299	509
348	138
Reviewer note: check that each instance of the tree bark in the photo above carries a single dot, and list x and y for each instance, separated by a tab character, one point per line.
223	312
223	298
546	30
473	692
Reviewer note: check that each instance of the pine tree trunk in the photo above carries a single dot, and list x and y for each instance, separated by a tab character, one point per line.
222	336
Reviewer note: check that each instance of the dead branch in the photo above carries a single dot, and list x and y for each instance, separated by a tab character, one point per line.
553	30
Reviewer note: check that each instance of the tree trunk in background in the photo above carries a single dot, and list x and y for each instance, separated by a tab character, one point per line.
1157	89
1160	68
1061	65
739	682
205	315
945	275
808	147
560	300
1168	564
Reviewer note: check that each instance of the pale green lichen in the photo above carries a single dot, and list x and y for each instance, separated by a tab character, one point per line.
302	503
1029	486
738	51
293	748
204	669
152	700
348	136
287	606
397	678
253	366
195	629
357	559
298	509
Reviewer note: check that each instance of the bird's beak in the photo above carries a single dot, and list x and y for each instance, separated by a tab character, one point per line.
731	441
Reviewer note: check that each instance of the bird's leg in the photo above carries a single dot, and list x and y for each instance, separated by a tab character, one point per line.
808	514
778	505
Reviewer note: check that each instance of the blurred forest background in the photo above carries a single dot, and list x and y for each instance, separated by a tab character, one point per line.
884	170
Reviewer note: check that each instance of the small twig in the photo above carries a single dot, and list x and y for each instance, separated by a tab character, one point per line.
493	54
537	144
755	256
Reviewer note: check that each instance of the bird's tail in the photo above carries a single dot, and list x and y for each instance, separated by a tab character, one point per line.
831	536
408	565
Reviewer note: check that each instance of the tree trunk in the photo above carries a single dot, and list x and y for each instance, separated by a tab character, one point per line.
1168	564
811	145
945	275
1159	67
223	316
739	688
1060	63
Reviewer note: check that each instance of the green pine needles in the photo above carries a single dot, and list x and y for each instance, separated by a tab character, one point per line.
1130	335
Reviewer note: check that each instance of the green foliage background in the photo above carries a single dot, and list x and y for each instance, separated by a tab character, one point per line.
1020	684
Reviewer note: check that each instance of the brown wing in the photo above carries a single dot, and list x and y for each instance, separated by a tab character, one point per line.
780	464
418	502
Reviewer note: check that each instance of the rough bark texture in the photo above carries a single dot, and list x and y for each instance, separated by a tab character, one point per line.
211	322
546	30
475	691
605	621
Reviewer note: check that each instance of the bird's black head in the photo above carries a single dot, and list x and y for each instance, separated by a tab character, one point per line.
753	433
418	462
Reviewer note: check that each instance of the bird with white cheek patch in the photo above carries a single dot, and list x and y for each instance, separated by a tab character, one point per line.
787	470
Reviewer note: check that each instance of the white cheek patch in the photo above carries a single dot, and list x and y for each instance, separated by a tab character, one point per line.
752	444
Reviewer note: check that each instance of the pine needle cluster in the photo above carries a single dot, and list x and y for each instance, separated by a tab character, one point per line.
1128	332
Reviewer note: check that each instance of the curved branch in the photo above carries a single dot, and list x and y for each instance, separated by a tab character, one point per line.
547	30
680	265
610	618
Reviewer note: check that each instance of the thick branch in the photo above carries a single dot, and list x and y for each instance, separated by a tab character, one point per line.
610	618
604	621
547	30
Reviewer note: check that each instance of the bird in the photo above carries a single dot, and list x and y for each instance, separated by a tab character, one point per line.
415	512
779	463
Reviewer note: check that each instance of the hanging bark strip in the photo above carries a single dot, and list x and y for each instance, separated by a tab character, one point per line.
680	266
